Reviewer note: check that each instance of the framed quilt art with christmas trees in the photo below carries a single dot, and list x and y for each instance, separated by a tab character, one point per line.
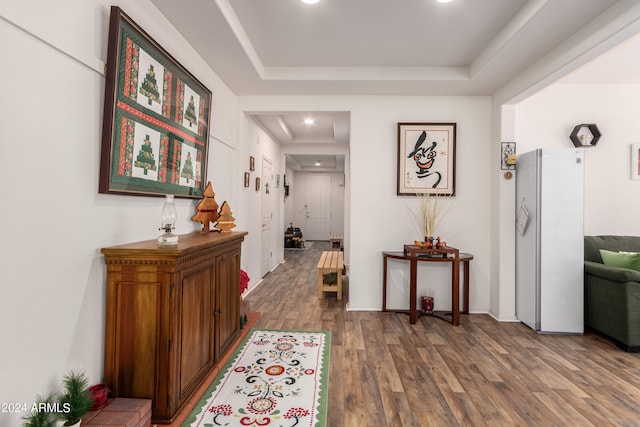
156	118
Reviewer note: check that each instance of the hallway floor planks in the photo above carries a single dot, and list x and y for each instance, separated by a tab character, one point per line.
386	372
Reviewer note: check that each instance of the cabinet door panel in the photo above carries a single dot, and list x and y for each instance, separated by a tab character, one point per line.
228	300
196	327
137	335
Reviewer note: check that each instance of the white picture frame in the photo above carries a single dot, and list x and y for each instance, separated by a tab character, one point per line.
634	166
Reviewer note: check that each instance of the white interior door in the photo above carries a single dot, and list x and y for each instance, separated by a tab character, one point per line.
317	207
266	187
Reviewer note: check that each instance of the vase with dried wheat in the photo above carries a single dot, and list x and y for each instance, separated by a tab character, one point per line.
428	213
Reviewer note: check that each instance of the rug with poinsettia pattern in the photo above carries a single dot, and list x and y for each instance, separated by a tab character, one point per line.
274	378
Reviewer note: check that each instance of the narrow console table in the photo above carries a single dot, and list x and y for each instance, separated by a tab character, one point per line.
413	257
170	315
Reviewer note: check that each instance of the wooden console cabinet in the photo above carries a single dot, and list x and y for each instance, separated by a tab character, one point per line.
170	314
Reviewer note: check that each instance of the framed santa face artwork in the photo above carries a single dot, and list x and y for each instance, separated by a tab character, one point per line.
426	158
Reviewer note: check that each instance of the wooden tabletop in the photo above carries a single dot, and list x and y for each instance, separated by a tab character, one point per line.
186	242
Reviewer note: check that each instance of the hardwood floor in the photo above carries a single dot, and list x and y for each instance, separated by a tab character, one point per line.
386	372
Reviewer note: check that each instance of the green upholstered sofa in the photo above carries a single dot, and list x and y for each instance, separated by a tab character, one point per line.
612	294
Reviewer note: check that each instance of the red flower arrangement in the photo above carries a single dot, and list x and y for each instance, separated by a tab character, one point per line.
244	281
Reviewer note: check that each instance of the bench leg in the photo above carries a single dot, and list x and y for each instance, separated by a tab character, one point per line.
339	285
320	283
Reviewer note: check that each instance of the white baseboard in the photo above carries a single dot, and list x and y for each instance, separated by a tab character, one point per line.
497	319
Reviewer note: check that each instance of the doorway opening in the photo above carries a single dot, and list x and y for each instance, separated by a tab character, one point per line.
307	173
316	199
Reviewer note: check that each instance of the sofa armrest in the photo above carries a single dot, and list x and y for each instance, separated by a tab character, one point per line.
615	274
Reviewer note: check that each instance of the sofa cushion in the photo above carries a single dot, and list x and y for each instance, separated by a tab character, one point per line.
593	244
630	260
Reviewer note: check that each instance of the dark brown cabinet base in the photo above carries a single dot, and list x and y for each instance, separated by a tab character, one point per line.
170	314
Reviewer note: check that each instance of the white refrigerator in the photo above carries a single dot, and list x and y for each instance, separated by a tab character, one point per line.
550	240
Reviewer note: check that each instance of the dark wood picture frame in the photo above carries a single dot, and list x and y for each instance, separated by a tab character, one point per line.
252	163
426	159
155	135
246	179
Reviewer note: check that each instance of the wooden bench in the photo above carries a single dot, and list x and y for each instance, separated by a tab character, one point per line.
331	264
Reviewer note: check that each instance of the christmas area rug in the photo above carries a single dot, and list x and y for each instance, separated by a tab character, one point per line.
275	378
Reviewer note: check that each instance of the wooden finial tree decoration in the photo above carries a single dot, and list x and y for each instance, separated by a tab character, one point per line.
225	220
207	208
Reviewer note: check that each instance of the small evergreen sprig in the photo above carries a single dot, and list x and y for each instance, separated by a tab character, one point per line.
76	399
38	417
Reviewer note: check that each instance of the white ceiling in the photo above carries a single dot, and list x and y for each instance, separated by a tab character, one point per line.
374	47
328	133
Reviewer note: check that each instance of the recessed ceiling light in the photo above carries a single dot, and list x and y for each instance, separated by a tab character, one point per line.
317	163
310	1
443	1
309	121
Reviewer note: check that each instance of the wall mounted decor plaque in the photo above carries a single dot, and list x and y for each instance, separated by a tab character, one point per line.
156	118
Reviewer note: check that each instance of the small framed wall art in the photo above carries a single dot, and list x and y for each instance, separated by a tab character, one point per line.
635	161
508	156
252	163
246	179
426	159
